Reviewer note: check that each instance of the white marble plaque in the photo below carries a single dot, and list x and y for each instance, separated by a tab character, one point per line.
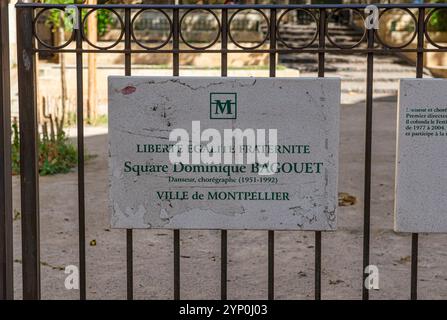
148	190
421	163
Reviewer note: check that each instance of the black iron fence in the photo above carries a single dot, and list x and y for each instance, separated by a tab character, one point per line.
127	44
6	255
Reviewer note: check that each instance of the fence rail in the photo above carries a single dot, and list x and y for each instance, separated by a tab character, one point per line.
238	6
370	45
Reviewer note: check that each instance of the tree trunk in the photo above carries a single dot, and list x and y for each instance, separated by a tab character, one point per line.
60	126
92	36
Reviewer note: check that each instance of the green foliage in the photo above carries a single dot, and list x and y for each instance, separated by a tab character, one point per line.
101	120
54	18
438	21
70	119
104	19
55	155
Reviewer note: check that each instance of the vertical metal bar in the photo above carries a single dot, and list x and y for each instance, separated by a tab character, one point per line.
177	264
129	264
224	48
6	249
223	264
129	232
420	44
223	233
176	72
321	65
368	148
321	42
271	233
317	280
81	175
175	42
272	34
29	175
414	266
271	265
415	236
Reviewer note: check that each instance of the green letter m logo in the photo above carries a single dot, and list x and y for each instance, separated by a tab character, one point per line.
223	105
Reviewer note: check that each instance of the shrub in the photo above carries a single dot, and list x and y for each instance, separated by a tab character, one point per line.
438	21
56	155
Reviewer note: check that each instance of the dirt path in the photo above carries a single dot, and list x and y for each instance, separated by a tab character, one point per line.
247	270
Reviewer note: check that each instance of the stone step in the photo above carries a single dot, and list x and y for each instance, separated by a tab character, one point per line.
362	90
385	74
311	33
331	26
361	78
307	35
302	37
310	68
357	60
378	75
329	58
389	81
344	64
314	45
352	68
378	67
348	86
